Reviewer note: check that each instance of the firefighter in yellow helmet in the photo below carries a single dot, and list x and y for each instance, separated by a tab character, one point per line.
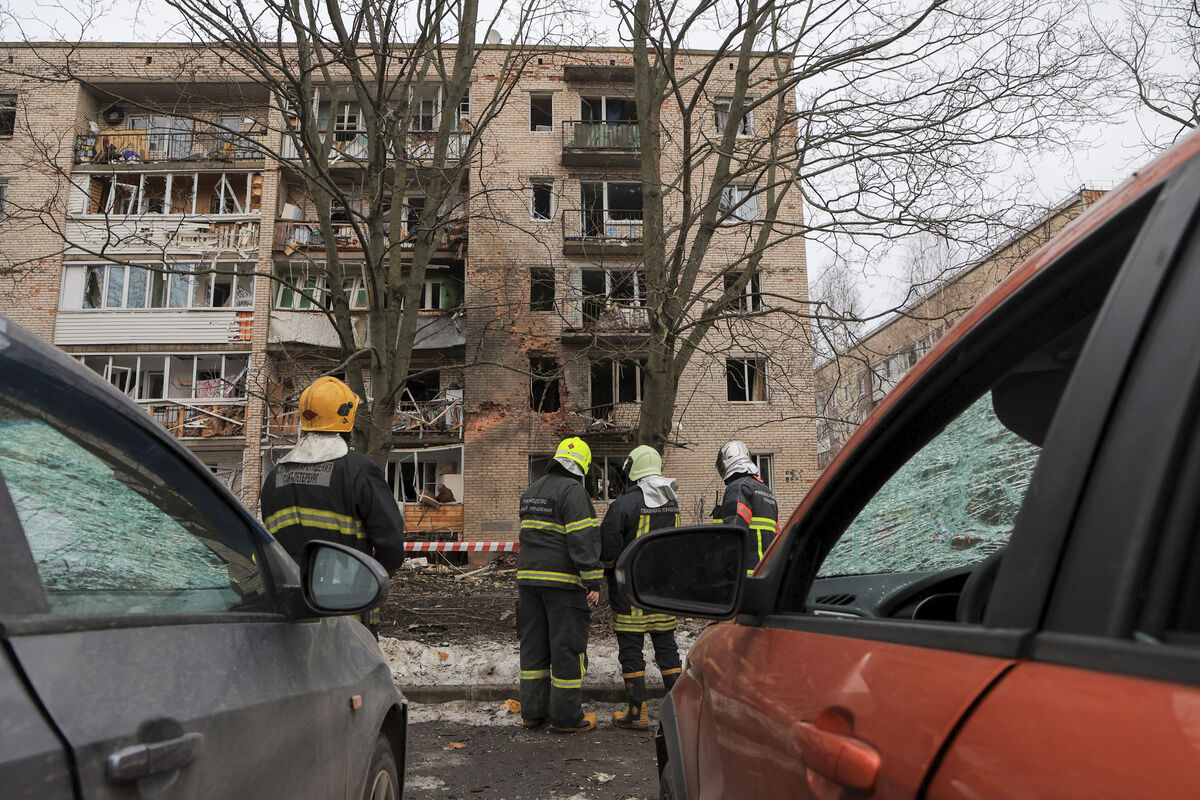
323	490
558	576
648	504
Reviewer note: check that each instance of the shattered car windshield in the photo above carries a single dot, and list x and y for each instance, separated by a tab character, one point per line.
953	503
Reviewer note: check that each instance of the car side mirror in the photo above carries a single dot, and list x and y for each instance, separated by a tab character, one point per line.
697	571
340	580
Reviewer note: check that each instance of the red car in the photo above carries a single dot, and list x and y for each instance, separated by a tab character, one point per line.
994	590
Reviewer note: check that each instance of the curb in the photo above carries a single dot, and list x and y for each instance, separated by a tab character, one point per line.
500	692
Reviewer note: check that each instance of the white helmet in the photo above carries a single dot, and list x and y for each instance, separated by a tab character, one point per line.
734	458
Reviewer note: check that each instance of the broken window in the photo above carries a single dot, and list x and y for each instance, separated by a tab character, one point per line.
544	385
751	296
426	105
725	111
8	115
3	197
414	473
221	284
541	289
541	201
607	109
345	122
746	380
738	204
541	112
612	210
609	295
207	376
614	381
605	481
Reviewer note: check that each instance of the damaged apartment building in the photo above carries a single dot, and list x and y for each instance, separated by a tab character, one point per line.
176	253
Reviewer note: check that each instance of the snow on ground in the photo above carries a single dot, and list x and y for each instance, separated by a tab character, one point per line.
487	662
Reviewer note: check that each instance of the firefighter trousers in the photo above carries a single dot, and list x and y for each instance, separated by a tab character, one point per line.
553	628
633	661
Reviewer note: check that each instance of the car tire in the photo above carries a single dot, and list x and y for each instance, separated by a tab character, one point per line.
383	781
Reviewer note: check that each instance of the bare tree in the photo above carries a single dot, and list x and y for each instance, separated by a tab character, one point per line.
884	118
370	114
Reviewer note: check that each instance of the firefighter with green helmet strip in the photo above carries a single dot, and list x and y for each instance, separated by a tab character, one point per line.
650	503
324	490
748	502
558	576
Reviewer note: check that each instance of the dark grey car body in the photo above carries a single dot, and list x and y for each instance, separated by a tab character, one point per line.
161	645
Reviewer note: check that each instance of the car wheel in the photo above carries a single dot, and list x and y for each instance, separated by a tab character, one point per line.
383	783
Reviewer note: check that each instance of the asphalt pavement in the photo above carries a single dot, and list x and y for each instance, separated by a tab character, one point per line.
450	759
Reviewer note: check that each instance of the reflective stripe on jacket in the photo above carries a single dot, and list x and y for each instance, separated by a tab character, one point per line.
560	535
750	504
627	518
344	500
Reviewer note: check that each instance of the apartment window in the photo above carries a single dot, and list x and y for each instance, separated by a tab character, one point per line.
8	115
607	109
746	380
738	204
220	285
764	462
612	210
541	112
614	381
413	208
345	122
431	296
413	476
611	295
541	200
543	385
605	477
426	105
751	297
3	198
169	193
300	291
149	377
541	289
725	112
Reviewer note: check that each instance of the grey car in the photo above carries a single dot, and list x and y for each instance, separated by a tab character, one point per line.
156	640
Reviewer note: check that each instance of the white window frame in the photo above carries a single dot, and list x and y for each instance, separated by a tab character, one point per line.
769	459
542	128
233	367
724	109
738	204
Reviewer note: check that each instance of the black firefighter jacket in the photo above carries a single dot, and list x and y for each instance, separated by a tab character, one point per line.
345	500
560	535
750	504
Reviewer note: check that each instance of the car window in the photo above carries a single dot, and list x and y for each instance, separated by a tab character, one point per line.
107	534
953	502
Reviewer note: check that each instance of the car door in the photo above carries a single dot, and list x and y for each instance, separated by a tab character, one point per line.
857	680
1112	684
158	649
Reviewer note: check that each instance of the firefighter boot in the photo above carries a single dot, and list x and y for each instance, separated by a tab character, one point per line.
586	724
635	716
669	677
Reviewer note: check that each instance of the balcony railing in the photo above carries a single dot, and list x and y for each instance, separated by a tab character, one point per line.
162	232
599	231
606	314
186	421
433	419
613	144
306	234
151	146
349	148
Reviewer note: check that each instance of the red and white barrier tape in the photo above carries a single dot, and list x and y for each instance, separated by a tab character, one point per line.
463	547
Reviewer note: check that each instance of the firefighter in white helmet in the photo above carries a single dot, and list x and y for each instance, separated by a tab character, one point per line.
748	503
323	490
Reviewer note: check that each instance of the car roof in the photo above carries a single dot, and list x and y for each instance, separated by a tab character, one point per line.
19	346
1141	183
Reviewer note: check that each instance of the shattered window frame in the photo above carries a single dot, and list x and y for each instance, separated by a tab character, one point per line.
541	289
749	374
545	384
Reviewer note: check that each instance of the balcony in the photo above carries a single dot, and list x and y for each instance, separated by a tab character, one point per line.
349	148
297	235
439	420
186	421
598	73
597	316
435	330
176	233
597	232
150	147
613	144
152	326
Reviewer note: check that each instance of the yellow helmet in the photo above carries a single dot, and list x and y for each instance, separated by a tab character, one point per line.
643	460
328	405
577	450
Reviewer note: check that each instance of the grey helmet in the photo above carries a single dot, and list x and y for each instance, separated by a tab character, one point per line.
734	458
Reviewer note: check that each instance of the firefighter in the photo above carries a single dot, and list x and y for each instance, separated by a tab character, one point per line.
748	503
650	503
323	490
558	576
